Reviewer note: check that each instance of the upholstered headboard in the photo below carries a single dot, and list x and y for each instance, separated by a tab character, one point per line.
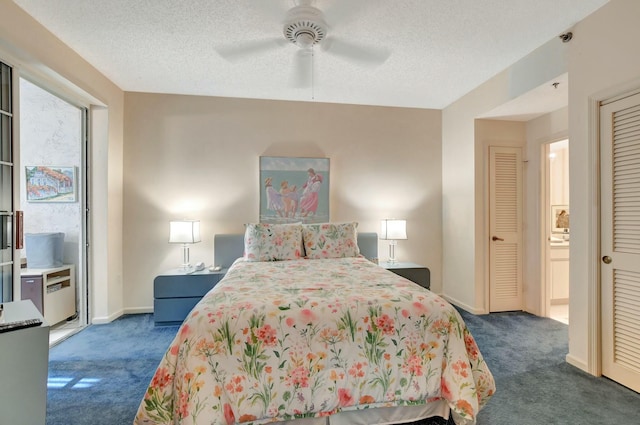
229	247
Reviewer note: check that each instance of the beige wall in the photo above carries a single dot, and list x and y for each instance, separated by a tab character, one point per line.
545	129
463	156
197	157
35	53
603	62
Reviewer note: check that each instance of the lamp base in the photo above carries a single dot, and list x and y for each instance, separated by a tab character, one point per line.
185	258
392	251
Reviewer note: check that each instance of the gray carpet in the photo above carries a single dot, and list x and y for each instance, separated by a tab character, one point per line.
99	376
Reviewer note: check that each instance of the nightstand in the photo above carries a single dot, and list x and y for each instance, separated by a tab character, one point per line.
176	292
414	272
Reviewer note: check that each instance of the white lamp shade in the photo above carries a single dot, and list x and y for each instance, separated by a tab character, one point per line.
184	231
392	229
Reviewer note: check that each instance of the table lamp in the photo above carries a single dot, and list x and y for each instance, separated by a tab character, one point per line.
393	230
184	232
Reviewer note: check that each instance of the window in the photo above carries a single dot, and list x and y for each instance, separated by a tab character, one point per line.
6	185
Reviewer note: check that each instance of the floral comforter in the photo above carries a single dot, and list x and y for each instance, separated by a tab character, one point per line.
309	338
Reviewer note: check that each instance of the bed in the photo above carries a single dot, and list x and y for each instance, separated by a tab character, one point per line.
305	330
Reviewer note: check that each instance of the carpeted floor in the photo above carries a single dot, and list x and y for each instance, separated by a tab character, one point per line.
99	376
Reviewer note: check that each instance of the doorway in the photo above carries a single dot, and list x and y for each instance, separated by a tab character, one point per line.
52	197
557	234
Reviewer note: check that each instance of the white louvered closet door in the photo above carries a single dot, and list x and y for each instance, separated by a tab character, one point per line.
505	227
620	240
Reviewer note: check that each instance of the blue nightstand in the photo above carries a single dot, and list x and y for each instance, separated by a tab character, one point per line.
175	293
414	272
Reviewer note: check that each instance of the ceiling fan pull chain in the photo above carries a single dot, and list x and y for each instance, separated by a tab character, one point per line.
313	95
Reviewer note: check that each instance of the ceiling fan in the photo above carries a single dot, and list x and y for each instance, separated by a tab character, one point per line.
304	26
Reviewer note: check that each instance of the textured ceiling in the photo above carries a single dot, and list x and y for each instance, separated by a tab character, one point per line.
438	49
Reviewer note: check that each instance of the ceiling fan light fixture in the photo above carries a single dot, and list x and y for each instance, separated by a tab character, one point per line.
305	40
304	26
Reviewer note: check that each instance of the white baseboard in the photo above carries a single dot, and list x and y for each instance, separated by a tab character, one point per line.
106	319
110	318
138	310
574	361
462	305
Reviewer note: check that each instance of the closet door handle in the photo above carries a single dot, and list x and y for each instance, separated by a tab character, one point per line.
495	238
606	259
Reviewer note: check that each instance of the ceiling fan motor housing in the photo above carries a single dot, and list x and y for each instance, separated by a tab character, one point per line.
305	26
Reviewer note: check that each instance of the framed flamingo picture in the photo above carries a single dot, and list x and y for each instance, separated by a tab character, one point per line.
294	190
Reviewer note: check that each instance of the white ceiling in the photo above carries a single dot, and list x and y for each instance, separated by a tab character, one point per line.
439	49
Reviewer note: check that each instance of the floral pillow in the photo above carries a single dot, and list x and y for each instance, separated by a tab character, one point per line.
330	240
272	242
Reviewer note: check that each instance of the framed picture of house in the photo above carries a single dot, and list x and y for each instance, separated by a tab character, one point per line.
46	183
560	218
294	190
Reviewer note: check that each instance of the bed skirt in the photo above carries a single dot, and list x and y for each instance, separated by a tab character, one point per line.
426	414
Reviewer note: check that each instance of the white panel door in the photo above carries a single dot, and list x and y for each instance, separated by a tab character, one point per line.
620	240
505	227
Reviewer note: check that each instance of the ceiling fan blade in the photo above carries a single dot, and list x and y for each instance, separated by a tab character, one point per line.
270	10
250	48
340	13
302	68
366	55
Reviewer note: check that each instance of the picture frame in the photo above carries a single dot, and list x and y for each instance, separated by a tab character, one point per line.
47	183
294	189
560	215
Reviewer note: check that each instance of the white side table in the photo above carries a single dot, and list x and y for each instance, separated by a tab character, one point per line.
52	291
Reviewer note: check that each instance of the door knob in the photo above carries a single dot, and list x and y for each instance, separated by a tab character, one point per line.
606	259
495	238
